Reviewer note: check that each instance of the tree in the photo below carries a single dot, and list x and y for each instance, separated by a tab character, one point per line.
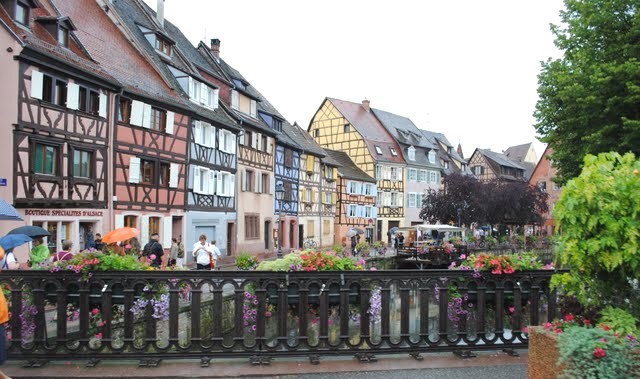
589	101
458	192
514	203
599	214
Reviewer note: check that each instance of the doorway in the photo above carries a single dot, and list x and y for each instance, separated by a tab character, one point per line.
231	232
392	224
267	234
300	236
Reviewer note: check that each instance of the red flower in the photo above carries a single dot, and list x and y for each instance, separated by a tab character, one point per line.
569	317
587	322
509	270
599	352
605	327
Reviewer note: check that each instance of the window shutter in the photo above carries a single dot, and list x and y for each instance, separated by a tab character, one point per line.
269	145
335	173
146	116
272	185
254	108
190	174
301	195
167	232
218	182
221	146
216	96
232	143
259	181
310	162
169	125
359	188
400	177
119	221
243	181
374	190
197	180
192	91
374	212
235	100
73	94
314	196
134	170
334	197
400	199
231	185
137	112
144	230
241	139
254	142
36	84
174	174
258	141
197	132
204	99
102	111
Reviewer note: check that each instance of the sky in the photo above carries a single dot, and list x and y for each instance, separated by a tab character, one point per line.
464	68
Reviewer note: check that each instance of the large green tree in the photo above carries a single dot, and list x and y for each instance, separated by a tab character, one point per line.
589	101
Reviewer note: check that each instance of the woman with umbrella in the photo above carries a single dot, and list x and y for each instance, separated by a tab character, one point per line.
39	252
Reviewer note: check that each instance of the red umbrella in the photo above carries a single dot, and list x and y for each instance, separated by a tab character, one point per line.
120	234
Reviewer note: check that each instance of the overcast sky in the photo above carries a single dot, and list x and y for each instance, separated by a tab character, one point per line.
464	68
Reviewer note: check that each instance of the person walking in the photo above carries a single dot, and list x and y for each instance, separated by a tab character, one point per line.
173	253
180	259
98	242
39	252
65	254
153	251
9	262
202	253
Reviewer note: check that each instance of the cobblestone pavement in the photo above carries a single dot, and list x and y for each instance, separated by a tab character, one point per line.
488	364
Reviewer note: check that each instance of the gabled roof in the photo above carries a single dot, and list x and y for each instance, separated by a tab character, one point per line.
371	130
518	153
499	159
38	40
304	140
348	169
135	14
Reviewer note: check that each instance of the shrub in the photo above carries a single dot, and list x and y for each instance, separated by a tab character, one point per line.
338	248
246	261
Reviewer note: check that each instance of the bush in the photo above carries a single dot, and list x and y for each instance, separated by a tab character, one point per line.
338	248
310	261
246	261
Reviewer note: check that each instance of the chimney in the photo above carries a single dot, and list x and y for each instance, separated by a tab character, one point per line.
160	12
365	104
215	48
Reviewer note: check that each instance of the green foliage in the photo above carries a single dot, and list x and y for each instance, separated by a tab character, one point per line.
246	261
114	262
599	215
338	248
578	352
589	99
362	246
282	264
377	245
310	261
619	320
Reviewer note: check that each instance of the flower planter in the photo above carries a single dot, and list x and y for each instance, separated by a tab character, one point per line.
543	354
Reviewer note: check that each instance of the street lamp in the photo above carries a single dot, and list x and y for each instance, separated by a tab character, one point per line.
459	214
279	198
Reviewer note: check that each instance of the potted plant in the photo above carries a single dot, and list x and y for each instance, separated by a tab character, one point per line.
246	261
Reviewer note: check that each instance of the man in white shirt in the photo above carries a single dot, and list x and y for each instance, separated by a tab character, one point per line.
203	253
216	252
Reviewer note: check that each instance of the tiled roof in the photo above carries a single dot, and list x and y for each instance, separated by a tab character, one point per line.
371	130
135	13
500	159
518	153
38	39
348	169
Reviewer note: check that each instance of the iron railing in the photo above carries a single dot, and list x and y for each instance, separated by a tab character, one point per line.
153	315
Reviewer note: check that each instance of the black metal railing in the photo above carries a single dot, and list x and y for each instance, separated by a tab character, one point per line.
154	315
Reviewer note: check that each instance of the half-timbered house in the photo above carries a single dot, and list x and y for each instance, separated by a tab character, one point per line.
423	171
487	165
209	139
256	151
354	129
317	191
449	158
356	199
56	172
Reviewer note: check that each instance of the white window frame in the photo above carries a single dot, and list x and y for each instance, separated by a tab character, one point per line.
378	150
433	177
352	210
432	156
411	153
423	176
393	151
412	174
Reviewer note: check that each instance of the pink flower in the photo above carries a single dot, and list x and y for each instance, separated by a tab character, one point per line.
525	329
127	247
99	335
463	256
599	352
512	309
373	269
95	311
152	256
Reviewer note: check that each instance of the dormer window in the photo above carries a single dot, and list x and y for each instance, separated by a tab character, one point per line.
378	150
432	156
244	104
411	152
22	13
240	84
203	94
162	45
59	28
63	36
393	152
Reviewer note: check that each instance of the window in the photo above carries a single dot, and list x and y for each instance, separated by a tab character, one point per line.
328	198
163	175
556	187
433	177
54	90
82	163
352	188
146	172
158	119
368	211
88	100
412	174
352	210
394	199
264	183
204	134
543	186
393	152
288	158
316	133
264	143
244	104
22	13
163	45
378	150
423	176
478	170
396	173
248	181
379	173
346	128
446	165
203	181
432	156
308	195
124	110
411	152
252	226
225	184
328	172
46	159
131	221
226	141
411	200
248	138
369	189
63	36
203	94
154	225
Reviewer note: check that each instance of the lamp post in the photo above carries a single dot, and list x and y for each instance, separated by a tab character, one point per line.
459	214
279	197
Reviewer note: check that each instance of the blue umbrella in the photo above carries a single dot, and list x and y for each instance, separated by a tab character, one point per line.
10	241
8	212
31	230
